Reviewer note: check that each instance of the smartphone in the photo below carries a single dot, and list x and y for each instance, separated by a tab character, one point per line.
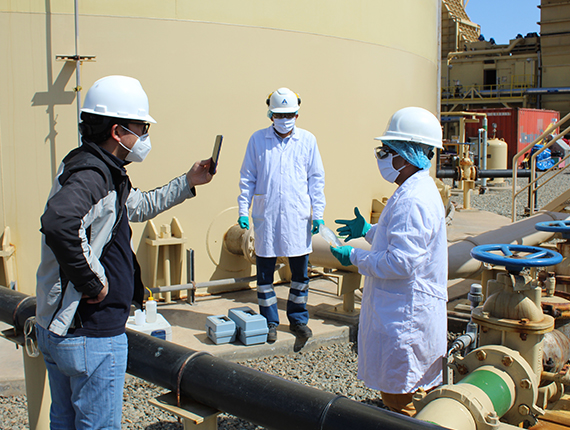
216	154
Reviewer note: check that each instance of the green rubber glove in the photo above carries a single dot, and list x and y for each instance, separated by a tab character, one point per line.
353	228
316	224
342	254
243	222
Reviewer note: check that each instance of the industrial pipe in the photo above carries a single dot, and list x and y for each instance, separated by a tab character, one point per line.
252	395
483	154
494	390
523	232
494	173
460	262
16	308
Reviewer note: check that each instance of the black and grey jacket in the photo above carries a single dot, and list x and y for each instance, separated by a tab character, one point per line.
84	208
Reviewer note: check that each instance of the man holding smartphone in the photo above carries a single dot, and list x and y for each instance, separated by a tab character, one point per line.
282	175
89	275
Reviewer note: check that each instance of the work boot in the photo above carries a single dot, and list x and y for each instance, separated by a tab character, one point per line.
301	330
272	333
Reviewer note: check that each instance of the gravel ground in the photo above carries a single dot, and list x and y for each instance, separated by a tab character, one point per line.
331	368
498	197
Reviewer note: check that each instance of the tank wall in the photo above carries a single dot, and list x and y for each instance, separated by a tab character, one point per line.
207	68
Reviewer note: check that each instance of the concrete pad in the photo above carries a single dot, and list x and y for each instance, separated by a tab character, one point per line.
189	328
189	321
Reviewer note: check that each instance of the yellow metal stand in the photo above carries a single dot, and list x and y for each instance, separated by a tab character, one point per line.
8	267
194	415
37	386
347	284
37	391
166	256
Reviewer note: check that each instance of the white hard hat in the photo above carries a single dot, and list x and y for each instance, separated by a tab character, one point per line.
118	97
283	100
414	124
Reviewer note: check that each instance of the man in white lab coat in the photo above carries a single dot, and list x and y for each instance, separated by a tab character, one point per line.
282	175
402	335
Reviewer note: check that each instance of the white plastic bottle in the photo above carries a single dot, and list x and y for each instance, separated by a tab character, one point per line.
329	236
150	307
139	317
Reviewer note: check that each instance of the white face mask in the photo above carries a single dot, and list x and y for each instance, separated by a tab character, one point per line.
284	125
387	169
140	149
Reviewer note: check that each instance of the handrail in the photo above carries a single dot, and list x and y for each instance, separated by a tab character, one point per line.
533	179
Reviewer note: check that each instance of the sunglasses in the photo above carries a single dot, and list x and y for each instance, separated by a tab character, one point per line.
383	151
284	115
145	127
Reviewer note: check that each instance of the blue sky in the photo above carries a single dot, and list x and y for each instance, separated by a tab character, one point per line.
504	19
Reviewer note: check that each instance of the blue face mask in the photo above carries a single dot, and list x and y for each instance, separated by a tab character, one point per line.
387	169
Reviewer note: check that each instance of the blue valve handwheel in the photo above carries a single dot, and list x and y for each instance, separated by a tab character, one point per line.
560	226
512	257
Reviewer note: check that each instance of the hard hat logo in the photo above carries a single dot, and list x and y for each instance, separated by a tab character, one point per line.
284	102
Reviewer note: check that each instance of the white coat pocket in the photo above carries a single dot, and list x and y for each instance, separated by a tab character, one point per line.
392	313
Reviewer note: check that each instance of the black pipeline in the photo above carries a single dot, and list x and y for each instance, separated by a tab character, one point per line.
498	173
257	397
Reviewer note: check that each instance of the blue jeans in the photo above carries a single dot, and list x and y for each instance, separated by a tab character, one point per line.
86	378
297	312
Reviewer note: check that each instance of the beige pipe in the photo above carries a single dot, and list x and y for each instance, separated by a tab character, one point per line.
322	256
460	262
523	232
448	413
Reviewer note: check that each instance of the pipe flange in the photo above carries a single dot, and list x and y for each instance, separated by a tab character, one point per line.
482	318
248	246
511	362
473	398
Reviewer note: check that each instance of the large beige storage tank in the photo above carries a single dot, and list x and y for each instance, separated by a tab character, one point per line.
207	67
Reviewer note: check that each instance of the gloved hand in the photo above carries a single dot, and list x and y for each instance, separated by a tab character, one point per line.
353	228
342	254
316	224
243	222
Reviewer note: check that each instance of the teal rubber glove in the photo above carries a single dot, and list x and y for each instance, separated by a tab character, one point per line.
353	228
316	224
342	254
243	222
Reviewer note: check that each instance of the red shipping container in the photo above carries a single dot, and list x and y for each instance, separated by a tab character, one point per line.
518	127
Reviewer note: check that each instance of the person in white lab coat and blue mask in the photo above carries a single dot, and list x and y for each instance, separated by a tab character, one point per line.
402	334
282	176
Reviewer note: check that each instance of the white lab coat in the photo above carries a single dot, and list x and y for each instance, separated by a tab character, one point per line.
402	334
285	181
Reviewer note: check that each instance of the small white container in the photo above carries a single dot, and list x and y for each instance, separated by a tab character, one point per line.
328	235
139	317
150	307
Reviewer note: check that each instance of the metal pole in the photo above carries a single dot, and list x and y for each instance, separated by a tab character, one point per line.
77	69
484	152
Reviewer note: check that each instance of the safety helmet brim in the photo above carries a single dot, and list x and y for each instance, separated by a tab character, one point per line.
410	138
103	112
